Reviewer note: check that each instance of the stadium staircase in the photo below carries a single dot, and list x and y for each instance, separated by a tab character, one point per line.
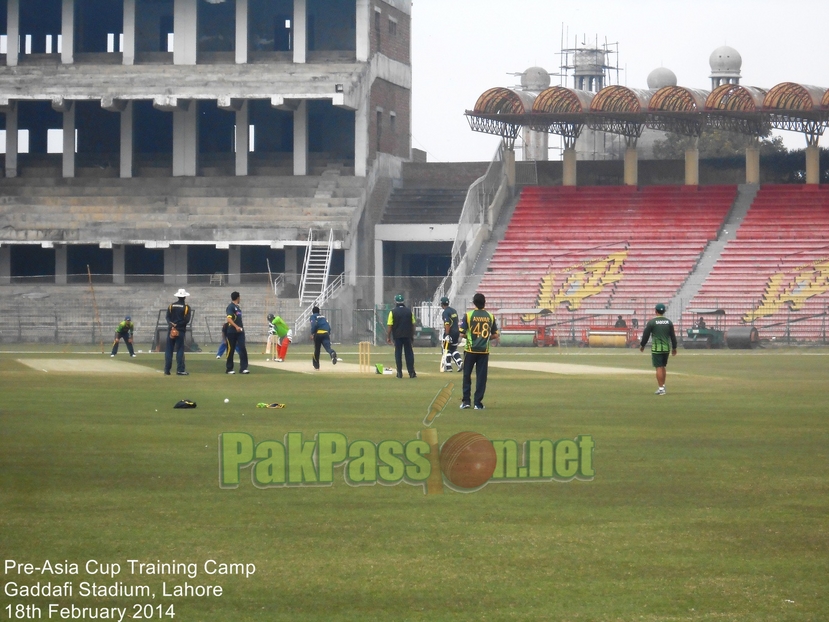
775	273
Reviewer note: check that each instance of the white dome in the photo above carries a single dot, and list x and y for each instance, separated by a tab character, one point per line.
725	59
660	77
535	79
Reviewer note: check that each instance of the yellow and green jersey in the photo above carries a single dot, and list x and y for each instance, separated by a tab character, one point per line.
478	326
661	332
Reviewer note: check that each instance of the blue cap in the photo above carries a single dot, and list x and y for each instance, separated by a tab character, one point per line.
128	318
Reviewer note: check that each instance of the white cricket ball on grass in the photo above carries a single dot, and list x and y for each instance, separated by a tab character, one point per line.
227	400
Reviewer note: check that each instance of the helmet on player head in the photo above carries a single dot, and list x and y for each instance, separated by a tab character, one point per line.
444	300
398	298
271	316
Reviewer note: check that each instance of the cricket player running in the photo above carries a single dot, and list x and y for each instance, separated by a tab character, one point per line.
279	337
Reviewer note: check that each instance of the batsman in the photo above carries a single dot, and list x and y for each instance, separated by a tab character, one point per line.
278	330
451	337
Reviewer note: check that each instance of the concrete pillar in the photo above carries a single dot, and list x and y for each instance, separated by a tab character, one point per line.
753	165
242	139
119	264
234	265
5	265
300	31
185	27
568	163
509	166
128	54
67	32
185	141
11	140
291	264
301	139
126	141
812	164
631	167
12	32
361	123
61	262
69	140
363	43
350	260
535	145
241	32
175	265
692	166
378	272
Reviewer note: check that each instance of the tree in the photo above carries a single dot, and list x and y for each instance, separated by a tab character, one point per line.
715	143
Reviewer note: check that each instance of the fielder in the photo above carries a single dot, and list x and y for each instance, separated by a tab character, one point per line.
124	331
451	337
279	337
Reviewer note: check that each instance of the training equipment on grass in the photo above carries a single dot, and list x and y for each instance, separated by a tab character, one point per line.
185	404
364	356
468	460
271	405
439	403
445	365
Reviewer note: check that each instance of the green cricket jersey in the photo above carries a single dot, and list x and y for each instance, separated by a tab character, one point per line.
478	327
661	332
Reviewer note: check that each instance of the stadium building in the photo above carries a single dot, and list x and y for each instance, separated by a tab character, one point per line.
264	145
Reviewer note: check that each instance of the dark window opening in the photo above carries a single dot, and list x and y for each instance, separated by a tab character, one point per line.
332	25
392	28
31	260
81	256
40	26
99	25
216	27
206	260
38	117
141	261
330	130
270	25
153	25
379	129
99	132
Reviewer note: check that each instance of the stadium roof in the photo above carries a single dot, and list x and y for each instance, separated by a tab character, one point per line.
622	110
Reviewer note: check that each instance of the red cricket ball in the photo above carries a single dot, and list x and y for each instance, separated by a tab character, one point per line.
468	459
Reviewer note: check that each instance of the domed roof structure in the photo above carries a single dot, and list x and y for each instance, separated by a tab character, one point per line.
725	66
661	77
535	79
725	59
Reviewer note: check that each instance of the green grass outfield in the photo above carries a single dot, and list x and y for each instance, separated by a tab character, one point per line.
711	503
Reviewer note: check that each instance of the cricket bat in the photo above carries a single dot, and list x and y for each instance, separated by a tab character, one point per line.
443	354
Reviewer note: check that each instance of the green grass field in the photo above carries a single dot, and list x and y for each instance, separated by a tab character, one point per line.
710	503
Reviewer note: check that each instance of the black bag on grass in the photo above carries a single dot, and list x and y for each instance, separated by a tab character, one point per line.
185	404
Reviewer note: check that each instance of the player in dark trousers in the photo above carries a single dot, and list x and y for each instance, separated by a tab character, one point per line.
401	325
664	342
124	331
478	327
179	315
321	336
235	336
451	335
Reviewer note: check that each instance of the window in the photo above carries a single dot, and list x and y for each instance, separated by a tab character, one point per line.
393	123
392	27
379	127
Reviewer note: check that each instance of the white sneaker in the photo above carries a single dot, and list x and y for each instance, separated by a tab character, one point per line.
660	391
112	356
133	355
278	360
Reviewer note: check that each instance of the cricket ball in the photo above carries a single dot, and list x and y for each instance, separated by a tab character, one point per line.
468	459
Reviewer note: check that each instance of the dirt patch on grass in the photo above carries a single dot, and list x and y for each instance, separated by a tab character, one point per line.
87	365
567	369
304	366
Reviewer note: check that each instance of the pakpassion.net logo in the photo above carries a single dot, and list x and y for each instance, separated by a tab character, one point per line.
465	462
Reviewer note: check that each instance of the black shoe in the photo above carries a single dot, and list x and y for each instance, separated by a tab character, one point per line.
413	375
182	373
166	373
399	375
479	406
333	357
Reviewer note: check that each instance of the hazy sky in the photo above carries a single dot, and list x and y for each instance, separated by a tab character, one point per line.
461	48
